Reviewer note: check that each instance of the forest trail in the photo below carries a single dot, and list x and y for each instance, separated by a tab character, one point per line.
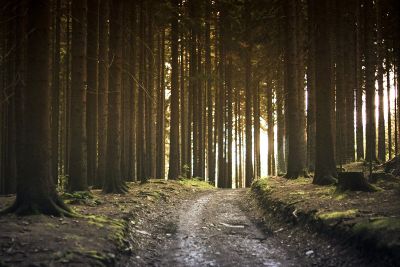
225	227
215	231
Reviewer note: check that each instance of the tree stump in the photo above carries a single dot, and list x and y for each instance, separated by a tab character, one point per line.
392	166
354	181
381	175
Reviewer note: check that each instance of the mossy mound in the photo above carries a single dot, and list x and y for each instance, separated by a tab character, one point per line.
338	215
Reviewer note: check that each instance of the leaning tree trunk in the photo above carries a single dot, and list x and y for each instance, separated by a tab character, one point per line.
36	192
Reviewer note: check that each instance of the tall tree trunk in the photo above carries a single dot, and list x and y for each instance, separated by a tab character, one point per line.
294	166
380	57
359	87
103	91
210	116
173	172
151	99
36	191
325	166
249	174
349	77
310	91
229	118
340	85
140	127
301	73
78	153
389	112
161	110
370	68
127	105
220	115
134	87
270	123
280	119
55	104
113	181
92	88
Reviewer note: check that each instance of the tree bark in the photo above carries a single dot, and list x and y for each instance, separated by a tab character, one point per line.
36	191
113	181
92	88
173	172
370	68
78	137
103	91
380	73
325	166
294	166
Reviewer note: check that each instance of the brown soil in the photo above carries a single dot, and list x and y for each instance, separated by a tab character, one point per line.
184	224
99	238
369	220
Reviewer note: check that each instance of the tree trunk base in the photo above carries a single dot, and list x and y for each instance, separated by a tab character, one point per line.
294	175
48	206
324	180
115	186
354	181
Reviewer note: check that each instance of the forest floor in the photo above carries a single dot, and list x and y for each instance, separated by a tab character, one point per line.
170	223
105	234
368	220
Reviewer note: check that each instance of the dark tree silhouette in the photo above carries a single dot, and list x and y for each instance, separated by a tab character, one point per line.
36	192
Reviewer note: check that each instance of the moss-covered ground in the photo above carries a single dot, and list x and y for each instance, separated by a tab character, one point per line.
101	236
371	220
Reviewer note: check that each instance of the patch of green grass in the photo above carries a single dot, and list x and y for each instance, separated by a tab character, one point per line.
334	215
101	221
198	183
298	193
340	195
261	185
78	195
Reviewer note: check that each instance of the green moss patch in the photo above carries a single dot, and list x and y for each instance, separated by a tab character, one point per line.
336	215
195	183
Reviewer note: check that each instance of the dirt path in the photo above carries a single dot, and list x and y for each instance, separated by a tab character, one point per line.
214	231
223	228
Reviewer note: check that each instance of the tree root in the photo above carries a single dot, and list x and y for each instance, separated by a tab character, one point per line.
48	206
324	180
115	186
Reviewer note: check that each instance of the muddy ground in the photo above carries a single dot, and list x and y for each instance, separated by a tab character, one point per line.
168	224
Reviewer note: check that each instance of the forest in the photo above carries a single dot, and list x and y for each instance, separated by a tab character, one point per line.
199	133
